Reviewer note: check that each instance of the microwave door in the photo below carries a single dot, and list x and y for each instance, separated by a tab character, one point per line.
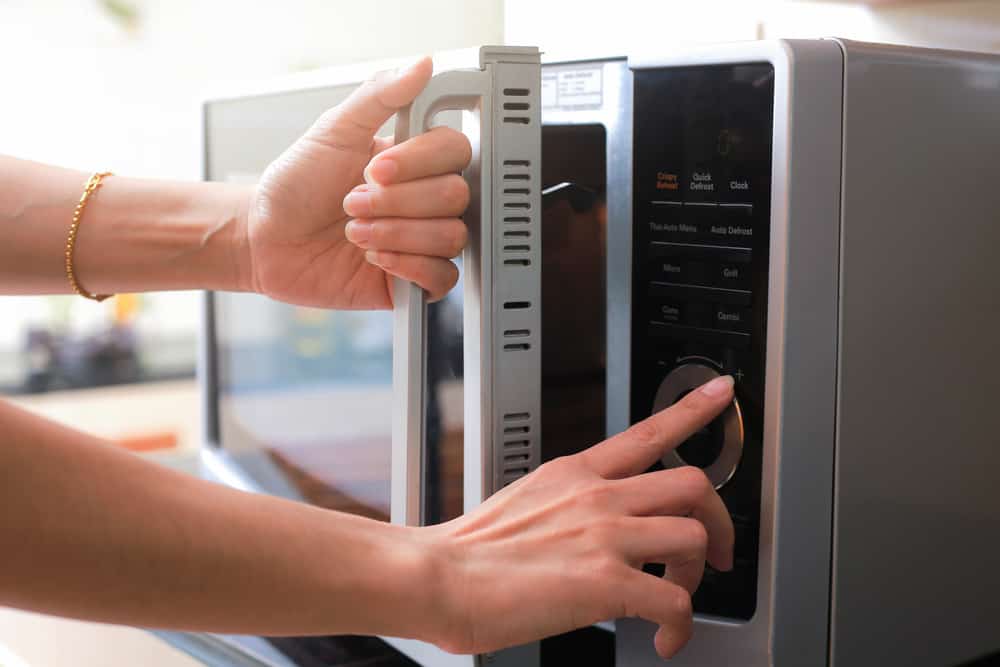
499	352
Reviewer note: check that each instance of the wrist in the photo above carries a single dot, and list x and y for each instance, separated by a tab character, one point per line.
447	609
427	603
384	580
140	235
242	259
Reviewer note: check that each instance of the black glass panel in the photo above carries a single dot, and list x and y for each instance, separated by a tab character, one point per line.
574	232
701	223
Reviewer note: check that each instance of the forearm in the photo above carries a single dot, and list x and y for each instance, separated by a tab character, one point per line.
93	532
135	235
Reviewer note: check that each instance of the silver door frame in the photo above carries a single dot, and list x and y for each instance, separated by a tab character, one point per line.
791	622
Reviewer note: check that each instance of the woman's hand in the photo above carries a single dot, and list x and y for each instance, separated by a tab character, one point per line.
563	547
301	244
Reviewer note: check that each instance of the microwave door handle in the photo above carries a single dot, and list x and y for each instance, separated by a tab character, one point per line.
504	96
453	90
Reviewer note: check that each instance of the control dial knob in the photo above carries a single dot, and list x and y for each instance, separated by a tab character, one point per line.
718	447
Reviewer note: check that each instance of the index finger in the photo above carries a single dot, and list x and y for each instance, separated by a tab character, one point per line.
633	451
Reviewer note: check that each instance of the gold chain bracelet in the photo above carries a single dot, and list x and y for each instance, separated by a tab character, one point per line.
88	190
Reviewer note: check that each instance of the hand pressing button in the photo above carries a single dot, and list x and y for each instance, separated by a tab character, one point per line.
717	448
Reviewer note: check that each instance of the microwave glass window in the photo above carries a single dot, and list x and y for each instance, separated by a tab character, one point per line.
574	233
305	396
303	400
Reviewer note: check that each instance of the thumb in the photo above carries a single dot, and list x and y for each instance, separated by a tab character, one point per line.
353	123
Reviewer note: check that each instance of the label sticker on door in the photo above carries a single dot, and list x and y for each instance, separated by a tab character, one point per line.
573	88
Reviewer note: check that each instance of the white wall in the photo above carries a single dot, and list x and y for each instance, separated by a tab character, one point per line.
80	90
625	26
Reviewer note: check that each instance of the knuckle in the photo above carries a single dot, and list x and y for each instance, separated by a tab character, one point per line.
558	468
680	601
460	236
456	193
694	480
550	469
599	534
645	432
696	535
606	568
597	496
378	199
457	143
378	234
329	119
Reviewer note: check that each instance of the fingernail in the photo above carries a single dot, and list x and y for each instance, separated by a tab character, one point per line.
718	386
382	171
358	232
358	203
380	258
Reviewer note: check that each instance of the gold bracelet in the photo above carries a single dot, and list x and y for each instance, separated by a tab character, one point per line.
88	190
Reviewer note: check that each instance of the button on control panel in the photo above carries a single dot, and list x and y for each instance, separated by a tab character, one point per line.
718	447
701	231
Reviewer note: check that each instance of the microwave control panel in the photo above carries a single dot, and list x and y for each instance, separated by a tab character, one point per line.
701	198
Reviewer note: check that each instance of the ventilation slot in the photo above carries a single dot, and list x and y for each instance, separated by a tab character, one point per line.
516	92
516	177
513	430
519	234
516	333
515	416
517	347
516	191
517	262
516	305
516	106
515	444
518	120
515	473
517	163
516	204
517	220
516	458
516	248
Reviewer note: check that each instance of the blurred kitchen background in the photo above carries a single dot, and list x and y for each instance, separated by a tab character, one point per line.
115	85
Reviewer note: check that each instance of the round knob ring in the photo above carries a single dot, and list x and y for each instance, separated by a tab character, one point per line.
685	378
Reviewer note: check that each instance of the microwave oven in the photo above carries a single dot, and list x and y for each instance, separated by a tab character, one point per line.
295	400
772	210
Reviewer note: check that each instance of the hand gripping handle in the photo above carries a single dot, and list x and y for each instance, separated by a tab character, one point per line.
502	286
